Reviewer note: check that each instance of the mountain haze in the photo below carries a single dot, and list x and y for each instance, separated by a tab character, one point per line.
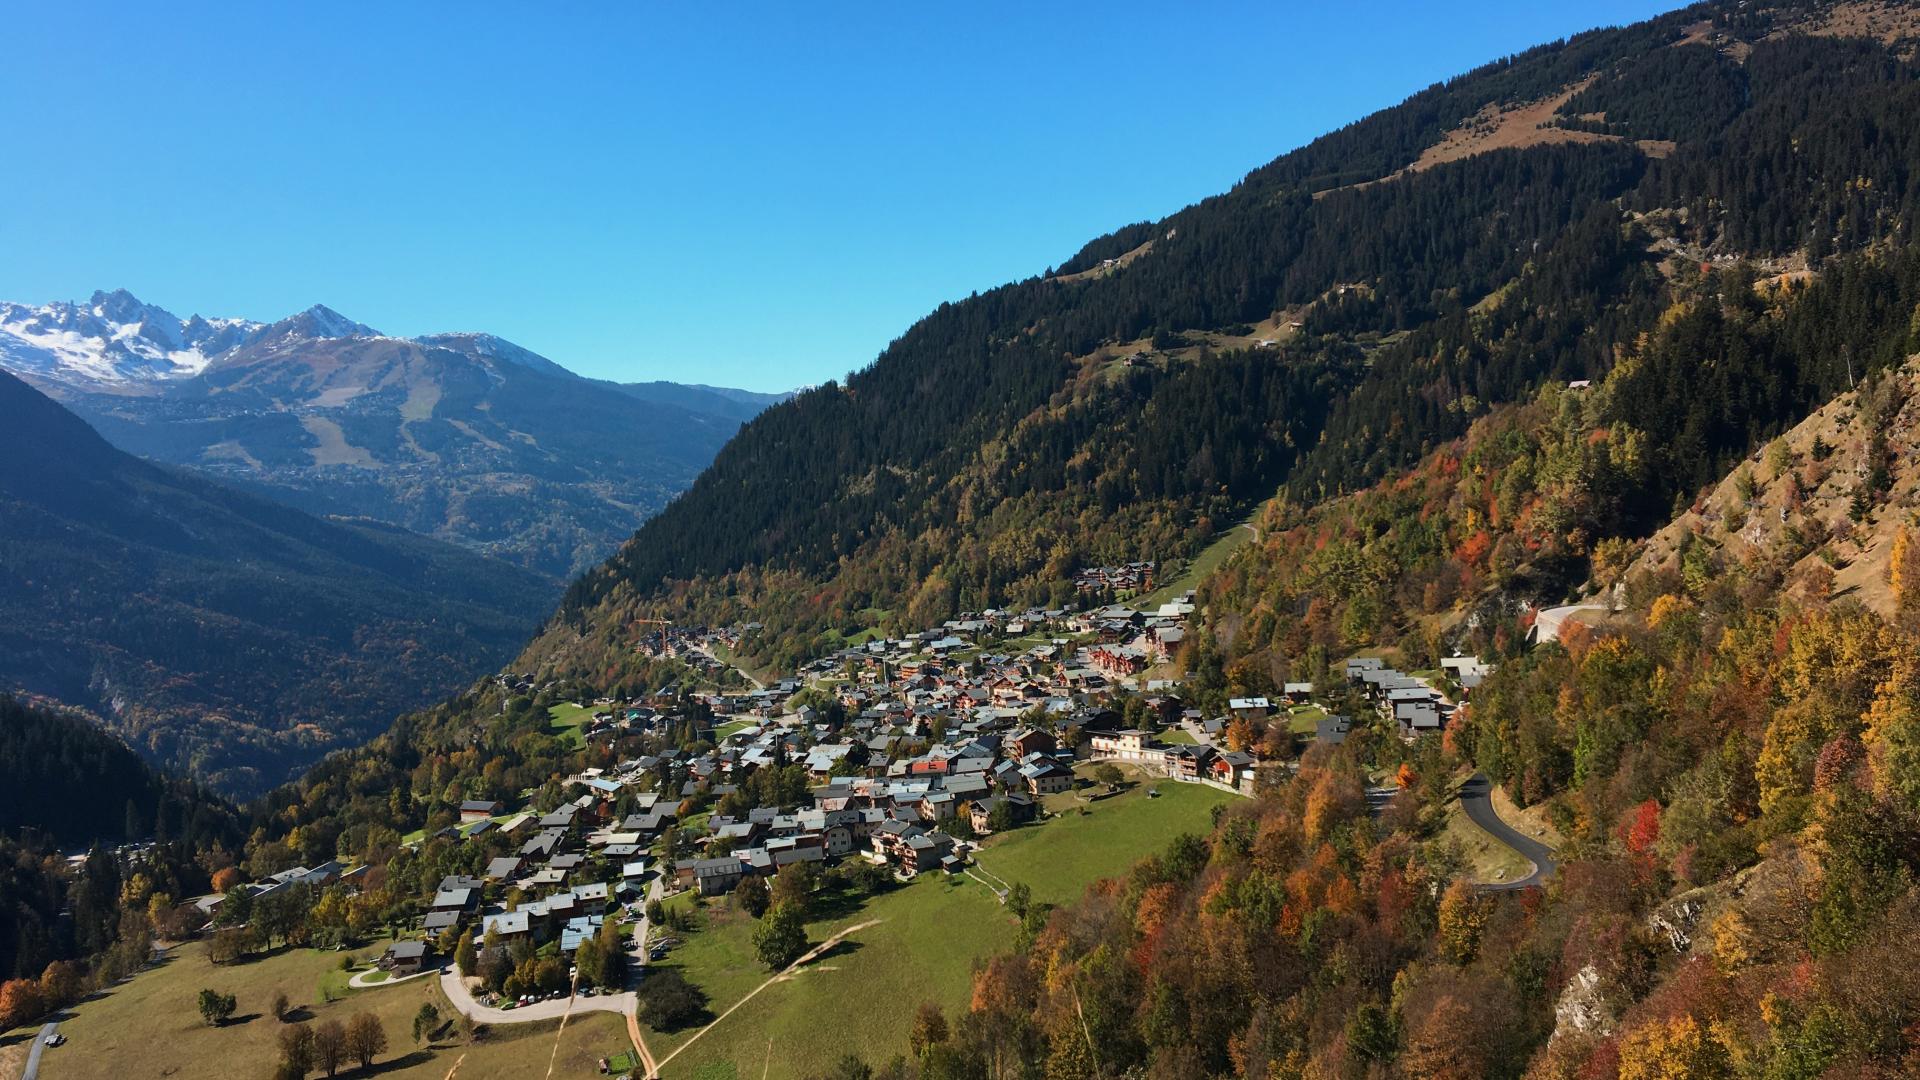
465	437
220	632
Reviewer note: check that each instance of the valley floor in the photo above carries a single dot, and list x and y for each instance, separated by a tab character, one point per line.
150	1025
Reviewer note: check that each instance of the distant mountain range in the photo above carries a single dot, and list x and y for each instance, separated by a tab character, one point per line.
461	436
222	633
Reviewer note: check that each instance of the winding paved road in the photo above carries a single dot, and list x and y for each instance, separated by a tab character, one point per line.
1479	807
1549	622
39	1046
457	992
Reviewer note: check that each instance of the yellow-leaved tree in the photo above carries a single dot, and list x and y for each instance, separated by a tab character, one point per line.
1674	1049
1903	571
1892	734
1834	663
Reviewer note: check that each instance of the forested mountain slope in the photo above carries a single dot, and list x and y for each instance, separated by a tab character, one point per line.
227	635
67	785
1335	316
1729	754
64	778
1558	496
1830	503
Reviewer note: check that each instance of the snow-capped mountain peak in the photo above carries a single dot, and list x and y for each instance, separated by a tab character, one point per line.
115	341
112	338
321	321
494	348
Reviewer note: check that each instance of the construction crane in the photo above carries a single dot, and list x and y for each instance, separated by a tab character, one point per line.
661	623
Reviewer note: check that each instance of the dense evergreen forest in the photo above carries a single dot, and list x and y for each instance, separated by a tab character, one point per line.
65	779
66	785
1421	299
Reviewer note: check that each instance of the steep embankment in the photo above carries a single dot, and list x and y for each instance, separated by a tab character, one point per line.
1825	503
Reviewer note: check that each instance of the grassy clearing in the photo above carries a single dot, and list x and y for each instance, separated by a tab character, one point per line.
150	1025
152	1019
565	721
921	949
1209	560
1302	718
734	727
14	1046
1058	858
1177	736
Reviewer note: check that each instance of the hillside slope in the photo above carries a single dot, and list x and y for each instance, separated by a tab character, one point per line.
464	437
1578	491
1334	317
1825	503
216	631
64	778
1529	360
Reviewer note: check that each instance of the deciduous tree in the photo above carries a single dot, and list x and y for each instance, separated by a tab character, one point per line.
296	1049
366	1038
329	1047
781	937
752	896
929	1029
215	1007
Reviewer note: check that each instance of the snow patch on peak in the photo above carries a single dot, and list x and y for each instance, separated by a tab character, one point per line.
321	321
112	338
492	347
330	323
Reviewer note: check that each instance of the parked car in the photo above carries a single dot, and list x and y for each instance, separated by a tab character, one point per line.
56	1039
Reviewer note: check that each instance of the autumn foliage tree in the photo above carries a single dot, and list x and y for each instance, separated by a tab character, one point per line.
20	1002
1641	829
366	1038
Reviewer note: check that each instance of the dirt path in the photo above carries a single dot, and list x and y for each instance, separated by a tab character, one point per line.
648	1067
744	673
553	1059
991	887
783	975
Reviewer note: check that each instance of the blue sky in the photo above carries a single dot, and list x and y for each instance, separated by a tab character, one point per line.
743	194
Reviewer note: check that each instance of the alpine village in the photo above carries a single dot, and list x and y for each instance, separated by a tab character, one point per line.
1446	607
